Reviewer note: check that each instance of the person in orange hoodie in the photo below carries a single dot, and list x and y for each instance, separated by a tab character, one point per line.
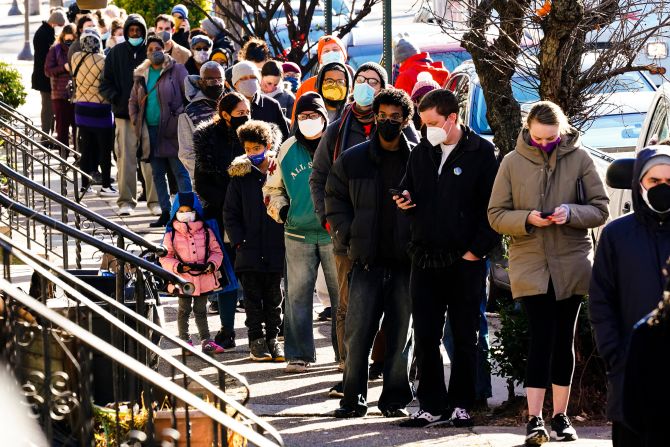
412	62
329	49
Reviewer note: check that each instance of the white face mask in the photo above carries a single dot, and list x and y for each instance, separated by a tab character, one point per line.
201	56
311	128
437	135
188	216
58	30
120	39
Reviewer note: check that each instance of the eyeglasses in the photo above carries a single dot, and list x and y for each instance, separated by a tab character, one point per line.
308	116
372	82
394	117
333	82
213	82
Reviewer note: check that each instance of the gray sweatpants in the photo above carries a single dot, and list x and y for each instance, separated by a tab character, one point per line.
125	147
199	305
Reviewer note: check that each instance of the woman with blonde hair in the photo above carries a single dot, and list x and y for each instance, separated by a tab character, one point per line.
546	197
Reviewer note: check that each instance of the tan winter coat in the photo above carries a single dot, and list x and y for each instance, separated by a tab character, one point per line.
529	179
89	77
179	53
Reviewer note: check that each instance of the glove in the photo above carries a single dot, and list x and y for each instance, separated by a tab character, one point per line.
180	268
210	267
283	213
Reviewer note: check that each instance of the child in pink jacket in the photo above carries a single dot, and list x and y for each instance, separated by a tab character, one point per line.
194	253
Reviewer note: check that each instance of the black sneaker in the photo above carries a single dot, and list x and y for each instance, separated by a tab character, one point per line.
161	222
276	350
376	371
394	412
259	350
536	434
562	429
325	315
346	412
336	391
226	339
461	418
422	419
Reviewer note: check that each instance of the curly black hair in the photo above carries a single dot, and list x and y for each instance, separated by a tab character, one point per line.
396	97
255	131
254	50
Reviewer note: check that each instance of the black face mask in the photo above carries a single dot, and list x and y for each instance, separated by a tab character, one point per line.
659	197
68	42
237	121
389	130
212	91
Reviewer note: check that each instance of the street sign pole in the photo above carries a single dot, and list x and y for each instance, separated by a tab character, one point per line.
328	6
26	54
388	33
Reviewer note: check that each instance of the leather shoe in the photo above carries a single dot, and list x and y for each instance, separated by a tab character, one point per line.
346	412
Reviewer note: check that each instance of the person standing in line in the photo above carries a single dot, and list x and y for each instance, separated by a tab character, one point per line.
93	113
333	83
117	82
446	192
181	25
308	244
215	28
84	22
156	102
272	85
364	218
57	69
626	284
164	28
257	238
116	35
201	50
546	196
44	37
292	76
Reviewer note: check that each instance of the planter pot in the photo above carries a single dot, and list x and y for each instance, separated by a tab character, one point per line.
201	427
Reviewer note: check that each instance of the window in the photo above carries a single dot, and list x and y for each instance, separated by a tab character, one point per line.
658	127
462	93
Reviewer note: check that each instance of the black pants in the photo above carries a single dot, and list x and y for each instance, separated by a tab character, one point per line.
622	436
96	146
262	303
434	291
551	326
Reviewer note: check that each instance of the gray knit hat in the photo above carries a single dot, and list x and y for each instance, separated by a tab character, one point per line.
659	159
376	68
404	49
244	68
58	17
211	28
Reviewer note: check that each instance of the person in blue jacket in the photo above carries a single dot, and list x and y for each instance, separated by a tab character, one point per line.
627	280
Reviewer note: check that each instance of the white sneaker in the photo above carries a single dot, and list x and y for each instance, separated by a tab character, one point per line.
125	210
155	209
110	191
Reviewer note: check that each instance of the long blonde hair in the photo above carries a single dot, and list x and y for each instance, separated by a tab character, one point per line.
548	113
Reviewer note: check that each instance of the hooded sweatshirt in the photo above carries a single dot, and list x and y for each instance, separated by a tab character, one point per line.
122	60
627	281
200	108
188	243
339	106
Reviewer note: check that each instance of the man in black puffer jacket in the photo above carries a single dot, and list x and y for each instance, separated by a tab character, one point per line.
447	187
365	220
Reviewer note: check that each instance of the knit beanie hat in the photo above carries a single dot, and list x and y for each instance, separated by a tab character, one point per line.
404	49
58	17
323	40
312	102
424	84
291	67
244	68
180	9
376	68
90	41
661	158
213	26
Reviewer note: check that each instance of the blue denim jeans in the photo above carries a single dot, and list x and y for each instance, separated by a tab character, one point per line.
373	292
302	263
483	388
159	168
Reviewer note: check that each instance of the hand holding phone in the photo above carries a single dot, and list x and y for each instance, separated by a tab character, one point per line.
544	215
395	192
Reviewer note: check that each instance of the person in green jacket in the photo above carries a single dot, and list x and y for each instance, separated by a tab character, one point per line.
308	244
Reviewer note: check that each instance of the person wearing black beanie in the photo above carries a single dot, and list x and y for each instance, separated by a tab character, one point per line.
308	244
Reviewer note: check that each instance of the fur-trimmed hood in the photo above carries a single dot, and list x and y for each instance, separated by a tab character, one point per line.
242	166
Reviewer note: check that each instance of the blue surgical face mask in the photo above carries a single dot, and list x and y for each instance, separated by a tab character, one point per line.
332	56
364	95
135	41
105	36
257	159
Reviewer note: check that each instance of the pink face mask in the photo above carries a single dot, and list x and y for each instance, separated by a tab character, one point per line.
549	147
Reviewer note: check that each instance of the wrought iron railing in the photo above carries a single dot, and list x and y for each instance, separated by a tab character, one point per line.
85	305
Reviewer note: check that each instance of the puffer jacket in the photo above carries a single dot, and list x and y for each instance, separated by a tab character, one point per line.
170	89
413	65
257	238
529	179
199	109
89	77
54	68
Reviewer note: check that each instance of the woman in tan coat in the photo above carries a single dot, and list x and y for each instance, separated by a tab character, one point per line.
546	196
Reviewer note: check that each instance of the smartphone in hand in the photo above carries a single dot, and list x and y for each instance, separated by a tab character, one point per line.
396	192
544	215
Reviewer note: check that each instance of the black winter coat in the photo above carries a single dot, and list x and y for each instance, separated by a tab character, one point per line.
352	134
626	284
42	40
264	108
215	147
353	194
120	63
450	216
258	239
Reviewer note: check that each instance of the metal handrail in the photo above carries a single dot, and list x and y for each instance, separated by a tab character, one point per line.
182	286
137	367
77	208
28	122
64	280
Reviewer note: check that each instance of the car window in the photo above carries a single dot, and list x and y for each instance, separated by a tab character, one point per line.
450	59
462	93
658	127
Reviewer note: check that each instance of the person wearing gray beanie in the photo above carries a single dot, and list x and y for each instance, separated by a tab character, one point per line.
404	49
57	18
213	27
